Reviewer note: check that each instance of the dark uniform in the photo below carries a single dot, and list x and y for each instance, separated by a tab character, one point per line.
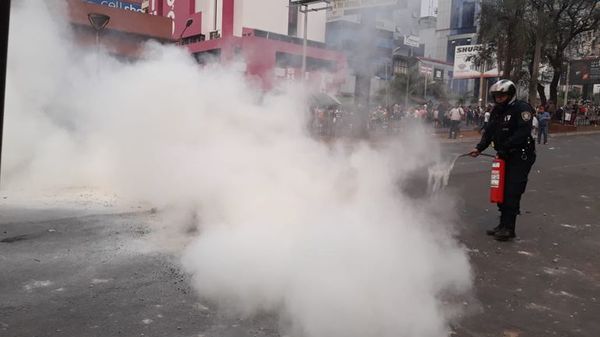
509	130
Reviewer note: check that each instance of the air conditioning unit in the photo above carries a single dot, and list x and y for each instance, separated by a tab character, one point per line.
214	35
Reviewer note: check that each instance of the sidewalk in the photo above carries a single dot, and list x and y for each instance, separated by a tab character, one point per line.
470	135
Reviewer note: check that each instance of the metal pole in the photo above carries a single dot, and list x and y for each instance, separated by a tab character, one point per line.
304	42
387	87
97	53
481	84
487	90
4	27
566	91
407	79
425	91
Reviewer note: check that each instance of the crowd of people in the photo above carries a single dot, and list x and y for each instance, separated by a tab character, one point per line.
576	113
334	121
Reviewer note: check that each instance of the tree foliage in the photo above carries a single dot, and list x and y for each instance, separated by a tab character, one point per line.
513	29
569	19
396	88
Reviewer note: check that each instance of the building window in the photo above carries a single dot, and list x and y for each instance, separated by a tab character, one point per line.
208	56
468	15
287	60
192	39
463	15
400	66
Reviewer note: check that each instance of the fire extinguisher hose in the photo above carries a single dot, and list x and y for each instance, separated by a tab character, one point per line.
481	154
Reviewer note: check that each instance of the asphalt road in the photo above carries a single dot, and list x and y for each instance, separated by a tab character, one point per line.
66	273
547	282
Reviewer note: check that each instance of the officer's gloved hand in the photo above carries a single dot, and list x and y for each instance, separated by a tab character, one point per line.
502	154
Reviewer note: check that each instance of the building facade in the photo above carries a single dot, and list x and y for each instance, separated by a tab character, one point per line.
457	25
265	36
127	30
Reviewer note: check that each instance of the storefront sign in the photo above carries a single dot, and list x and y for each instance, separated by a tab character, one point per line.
132	6
464	67
438	74
411	40
585	71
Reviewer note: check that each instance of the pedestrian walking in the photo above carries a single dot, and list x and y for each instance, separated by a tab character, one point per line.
486	118
510	131
456	114
543	124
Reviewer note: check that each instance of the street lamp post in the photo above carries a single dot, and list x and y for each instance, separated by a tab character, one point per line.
304	10
98	22
188	23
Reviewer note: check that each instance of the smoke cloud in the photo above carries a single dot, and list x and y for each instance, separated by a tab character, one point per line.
321	234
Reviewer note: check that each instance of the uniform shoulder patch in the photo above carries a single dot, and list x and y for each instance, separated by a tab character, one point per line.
526	115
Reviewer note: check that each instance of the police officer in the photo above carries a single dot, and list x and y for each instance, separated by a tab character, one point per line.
509	129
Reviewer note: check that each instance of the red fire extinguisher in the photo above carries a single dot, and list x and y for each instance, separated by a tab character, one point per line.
497	181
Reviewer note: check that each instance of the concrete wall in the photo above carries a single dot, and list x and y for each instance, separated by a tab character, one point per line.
268	15
443	29
207	7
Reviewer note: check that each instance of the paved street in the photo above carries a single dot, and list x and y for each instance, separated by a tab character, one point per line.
546	283
67	273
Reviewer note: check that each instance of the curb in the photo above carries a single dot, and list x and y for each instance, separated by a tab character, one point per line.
559	134
576	133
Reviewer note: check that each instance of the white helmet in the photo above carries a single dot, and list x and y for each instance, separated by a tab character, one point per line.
505	87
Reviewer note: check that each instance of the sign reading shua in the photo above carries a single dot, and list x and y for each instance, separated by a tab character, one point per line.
464	66
469	49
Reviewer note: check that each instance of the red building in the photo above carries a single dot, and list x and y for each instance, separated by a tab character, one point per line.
263	34
268	46
125	32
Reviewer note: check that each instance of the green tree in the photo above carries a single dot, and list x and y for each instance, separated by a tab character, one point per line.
505	26
568	19
396	88
533	32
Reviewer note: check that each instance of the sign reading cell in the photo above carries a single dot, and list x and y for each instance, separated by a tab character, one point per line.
132	6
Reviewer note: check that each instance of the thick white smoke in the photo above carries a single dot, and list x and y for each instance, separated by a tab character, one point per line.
320	234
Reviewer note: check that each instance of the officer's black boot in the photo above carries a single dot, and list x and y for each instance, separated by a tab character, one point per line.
494	230
505	234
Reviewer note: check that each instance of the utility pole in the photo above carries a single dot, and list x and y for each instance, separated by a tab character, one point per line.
305	40
304	10
4	27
